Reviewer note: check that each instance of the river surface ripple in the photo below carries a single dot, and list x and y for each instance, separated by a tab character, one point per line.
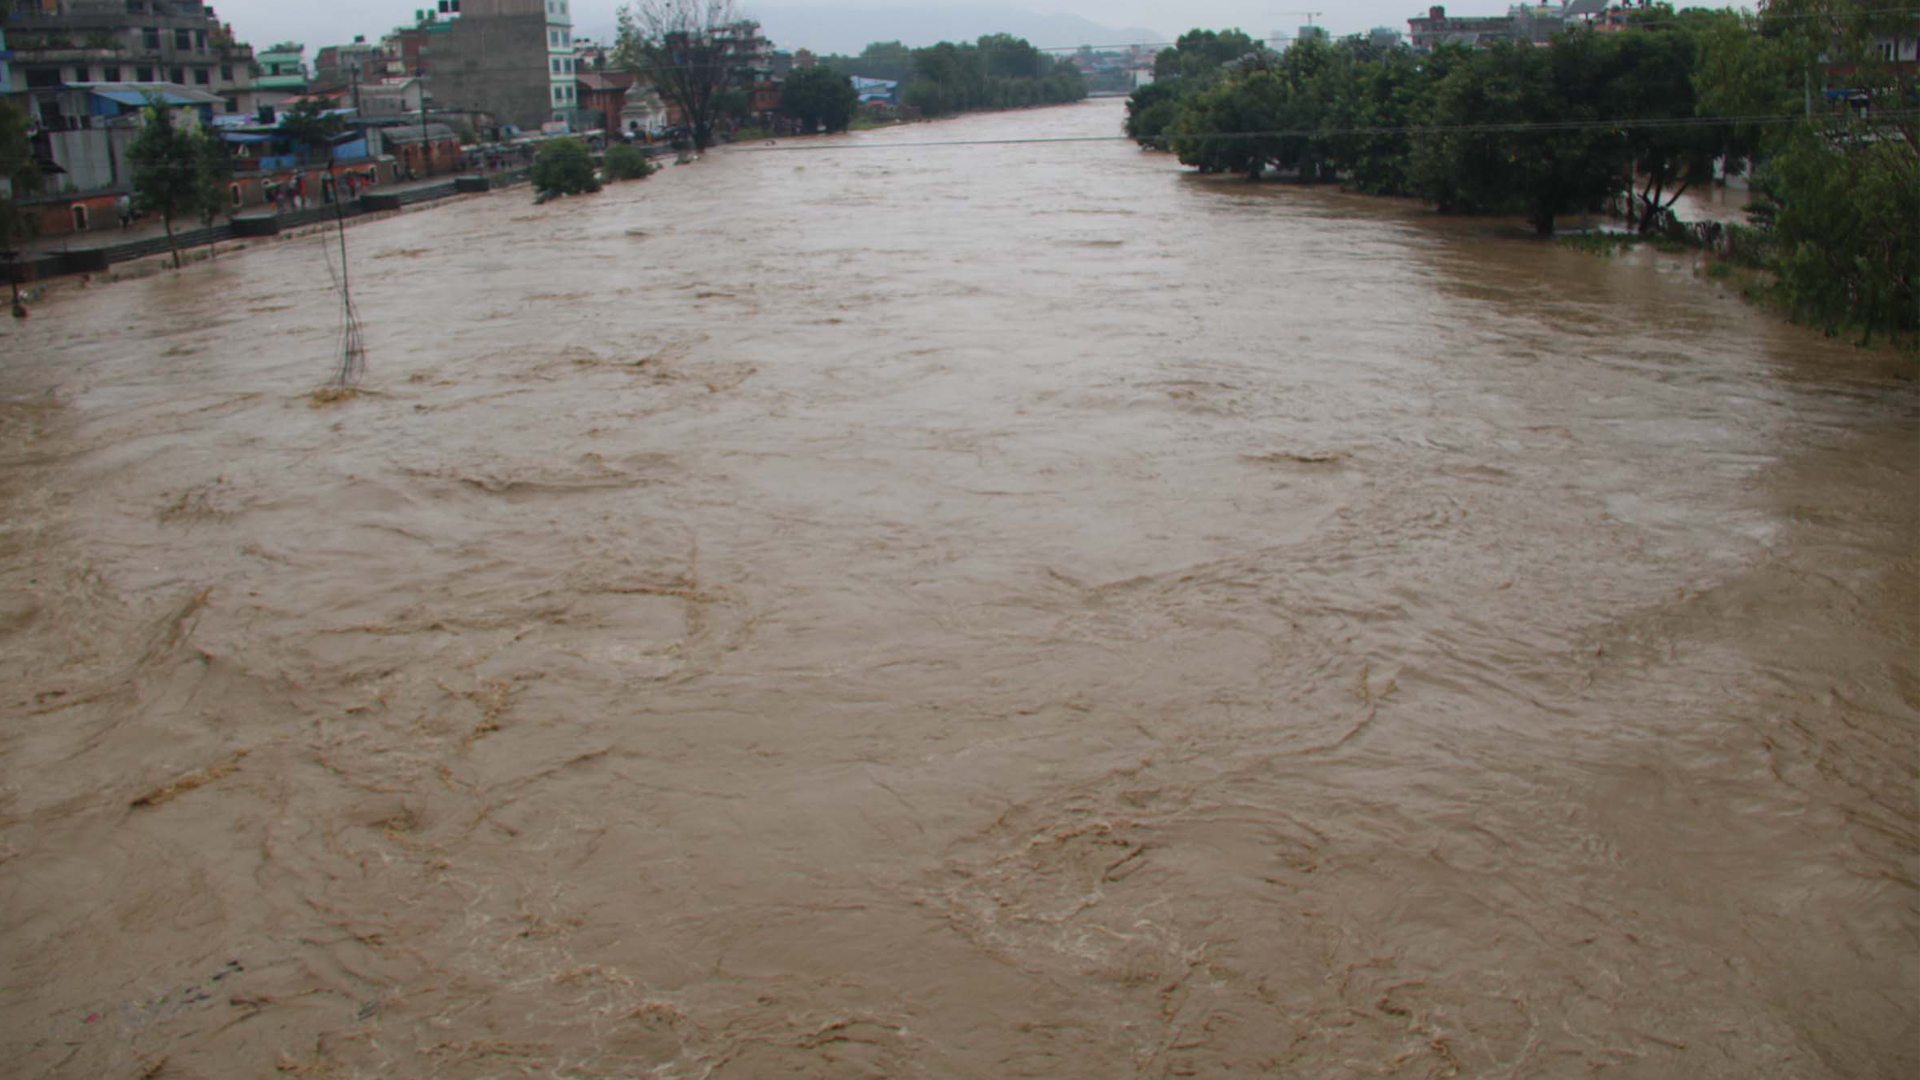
1009	611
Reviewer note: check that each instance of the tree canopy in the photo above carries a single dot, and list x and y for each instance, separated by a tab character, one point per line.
997	72
563	167
167	169
21	171
819	97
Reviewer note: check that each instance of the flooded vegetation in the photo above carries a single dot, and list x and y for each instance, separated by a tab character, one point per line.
1012	610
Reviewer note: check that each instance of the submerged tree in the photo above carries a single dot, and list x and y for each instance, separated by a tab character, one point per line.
690	50
166	169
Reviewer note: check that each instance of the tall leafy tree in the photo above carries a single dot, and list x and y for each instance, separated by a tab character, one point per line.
22	174
166	169
690	50
1521	127
819	97
1646	75
214	171
1846	183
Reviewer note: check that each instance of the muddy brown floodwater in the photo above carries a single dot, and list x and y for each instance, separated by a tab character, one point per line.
1009	611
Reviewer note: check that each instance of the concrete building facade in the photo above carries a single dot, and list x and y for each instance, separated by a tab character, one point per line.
60	42
512	59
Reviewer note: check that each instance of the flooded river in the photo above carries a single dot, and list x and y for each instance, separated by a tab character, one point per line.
1001	611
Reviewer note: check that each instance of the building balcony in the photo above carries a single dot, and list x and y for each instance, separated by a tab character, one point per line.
31	55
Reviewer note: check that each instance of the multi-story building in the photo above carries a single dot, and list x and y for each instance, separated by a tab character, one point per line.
283	73
511	59
1533	24
1474	31
56	43
342	65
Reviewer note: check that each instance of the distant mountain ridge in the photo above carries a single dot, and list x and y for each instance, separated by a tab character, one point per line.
847	30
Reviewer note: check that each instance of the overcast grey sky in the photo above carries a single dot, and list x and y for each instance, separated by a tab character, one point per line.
264	22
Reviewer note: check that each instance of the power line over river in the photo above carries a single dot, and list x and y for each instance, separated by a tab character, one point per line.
1013	610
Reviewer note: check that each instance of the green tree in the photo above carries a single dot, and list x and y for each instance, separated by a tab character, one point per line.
213	170
819	97
1845	184
1648	75
1199	55
732	103
313	128
166	169
1519	127
563	167
21	176
625	162
1151	110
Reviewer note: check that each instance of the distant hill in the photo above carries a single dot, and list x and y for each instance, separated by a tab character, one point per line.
847	30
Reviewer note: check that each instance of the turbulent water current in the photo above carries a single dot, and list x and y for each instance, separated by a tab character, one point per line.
1015	610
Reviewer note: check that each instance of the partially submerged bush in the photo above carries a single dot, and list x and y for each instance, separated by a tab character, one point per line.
564	167
625	162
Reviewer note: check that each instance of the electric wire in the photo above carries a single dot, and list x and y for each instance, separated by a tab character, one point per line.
1624	124
1763	17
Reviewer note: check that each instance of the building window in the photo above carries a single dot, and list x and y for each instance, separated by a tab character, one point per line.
150	37
201	76
79	218
233	192
233	105
178	75
112	74
43	79
79	74
143	74
226	72
200	40
183	40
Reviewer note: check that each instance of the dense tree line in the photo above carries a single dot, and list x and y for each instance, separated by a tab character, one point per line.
997	72
1627	120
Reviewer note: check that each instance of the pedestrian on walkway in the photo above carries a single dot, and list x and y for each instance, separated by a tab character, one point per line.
124	204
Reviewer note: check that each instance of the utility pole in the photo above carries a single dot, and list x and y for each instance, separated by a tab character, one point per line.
426	148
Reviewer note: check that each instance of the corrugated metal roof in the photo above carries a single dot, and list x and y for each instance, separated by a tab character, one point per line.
135	96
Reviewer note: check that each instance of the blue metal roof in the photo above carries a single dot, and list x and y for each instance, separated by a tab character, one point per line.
138	98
